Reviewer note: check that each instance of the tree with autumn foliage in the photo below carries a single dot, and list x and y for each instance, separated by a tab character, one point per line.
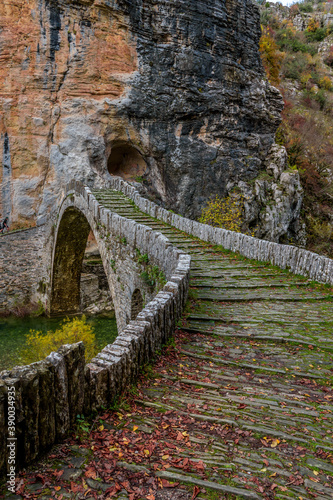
271	56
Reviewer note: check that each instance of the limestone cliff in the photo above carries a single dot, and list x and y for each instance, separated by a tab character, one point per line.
170	94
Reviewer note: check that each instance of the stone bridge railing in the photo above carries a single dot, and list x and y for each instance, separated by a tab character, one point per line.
297	260
49	394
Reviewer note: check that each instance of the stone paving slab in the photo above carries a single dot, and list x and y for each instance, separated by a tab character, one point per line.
249	295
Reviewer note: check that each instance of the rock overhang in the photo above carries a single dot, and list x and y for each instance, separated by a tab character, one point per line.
182	82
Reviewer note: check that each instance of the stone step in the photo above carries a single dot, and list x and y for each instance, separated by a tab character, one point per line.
253	367
242	296
263	332
239	492
249	285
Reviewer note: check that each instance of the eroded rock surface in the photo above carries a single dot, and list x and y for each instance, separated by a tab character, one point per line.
273	201
177	87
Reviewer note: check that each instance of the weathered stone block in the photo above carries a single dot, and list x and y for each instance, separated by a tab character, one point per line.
75	362
98	384
47	416
27	411
116	367
61	401
141	330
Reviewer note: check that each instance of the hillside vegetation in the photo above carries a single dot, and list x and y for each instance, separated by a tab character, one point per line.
297	53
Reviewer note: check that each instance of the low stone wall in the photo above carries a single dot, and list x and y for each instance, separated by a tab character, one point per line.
297	260
21	265
48	396
50	393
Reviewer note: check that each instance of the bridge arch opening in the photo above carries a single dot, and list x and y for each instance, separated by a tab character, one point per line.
136	303
69	251
126	161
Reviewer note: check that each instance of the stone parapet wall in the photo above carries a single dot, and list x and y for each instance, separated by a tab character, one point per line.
22	269
297	260
50	393
118	240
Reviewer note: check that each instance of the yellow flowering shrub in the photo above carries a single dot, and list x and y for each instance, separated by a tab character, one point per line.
224	212
39	345
325	83
305	77
270	56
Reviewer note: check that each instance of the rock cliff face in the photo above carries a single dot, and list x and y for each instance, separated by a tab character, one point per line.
170	94
300	19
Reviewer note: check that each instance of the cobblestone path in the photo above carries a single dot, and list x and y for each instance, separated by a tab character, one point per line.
239	407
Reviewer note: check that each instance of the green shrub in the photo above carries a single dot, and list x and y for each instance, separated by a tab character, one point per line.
305	7
142	259
153	277
321	98
316	36
294	66
151	274
290	40
265	18
292	45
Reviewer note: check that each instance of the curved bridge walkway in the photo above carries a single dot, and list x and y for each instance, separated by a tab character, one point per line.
240	407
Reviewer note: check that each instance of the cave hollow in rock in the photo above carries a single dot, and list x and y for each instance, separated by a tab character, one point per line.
126	161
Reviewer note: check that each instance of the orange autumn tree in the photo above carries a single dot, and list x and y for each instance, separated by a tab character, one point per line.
313	25
270	56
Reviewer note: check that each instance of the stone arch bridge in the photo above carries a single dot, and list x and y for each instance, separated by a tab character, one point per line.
42	264
137	260
148	278
132	226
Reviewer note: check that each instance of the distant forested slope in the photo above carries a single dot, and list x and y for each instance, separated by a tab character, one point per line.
297	52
